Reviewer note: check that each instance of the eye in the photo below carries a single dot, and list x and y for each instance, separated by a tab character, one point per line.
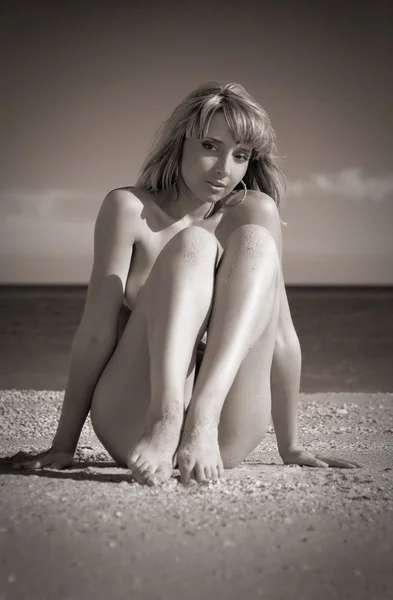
241	155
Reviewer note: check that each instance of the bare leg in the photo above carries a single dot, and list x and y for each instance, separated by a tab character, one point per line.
176	302
244	299
178	299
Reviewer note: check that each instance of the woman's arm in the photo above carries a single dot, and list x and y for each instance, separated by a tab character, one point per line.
115	232
88	360
285	385
114	236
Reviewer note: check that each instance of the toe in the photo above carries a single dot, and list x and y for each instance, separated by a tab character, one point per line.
132	459
135	475
150	474
150	480
208	473
138	474
214	475
163	473
174	461
200	473
146	471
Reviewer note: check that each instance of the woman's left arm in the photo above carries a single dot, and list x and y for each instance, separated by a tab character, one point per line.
285	385
287	359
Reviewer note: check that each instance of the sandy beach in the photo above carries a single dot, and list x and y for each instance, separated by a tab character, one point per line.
264	531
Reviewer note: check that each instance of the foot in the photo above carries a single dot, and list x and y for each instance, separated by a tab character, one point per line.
150	461
199	456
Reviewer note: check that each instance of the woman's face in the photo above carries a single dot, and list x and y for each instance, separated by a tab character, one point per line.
215	158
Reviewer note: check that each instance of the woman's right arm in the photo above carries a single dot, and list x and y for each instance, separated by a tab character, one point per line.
115	232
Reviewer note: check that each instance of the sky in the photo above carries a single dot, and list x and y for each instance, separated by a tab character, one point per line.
85	85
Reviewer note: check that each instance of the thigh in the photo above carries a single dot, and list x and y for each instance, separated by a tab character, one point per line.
121	397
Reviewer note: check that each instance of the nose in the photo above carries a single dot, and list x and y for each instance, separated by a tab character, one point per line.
223	166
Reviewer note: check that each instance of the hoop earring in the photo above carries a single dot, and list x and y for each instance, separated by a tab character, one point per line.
242	198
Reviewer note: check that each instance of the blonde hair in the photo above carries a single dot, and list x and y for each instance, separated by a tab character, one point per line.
248	122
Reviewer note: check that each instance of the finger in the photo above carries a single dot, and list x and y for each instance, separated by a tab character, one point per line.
56	466
24	458
61	463
313	461
33	464
341	464
16	464
28	464
20	456
321	464
47	461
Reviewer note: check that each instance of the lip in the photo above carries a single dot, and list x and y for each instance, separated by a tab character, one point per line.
217	184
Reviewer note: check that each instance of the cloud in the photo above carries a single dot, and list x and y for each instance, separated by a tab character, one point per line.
51	204
350	184
81	206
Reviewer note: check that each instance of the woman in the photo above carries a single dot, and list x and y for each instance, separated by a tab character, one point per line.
193	249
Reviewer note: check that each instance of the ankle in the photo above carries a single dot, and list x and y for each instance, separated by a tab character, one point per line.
171	416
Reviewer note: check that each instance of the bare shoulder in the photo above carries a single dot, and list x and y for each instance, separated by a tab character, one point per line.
121	208
260	203
124	199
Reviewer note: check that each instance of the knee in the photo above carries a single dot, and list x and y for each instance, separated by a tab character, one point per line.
195	245
254	241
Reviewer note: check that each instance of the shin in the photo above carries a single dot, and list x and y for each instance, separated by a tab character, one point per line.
178	305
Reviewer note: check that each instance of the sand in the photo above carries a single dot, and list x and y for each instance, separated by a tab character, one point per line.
264	531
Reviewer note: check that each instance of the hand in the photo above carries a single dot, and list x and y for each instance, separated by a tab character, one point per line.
52	458
299	456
